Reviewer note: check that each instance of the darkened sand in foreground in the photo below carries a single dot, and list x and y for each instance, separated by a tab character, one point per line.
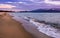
10	28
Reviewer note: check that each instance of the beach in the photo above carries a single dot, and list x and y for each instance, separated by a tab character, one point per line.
10	28
16	27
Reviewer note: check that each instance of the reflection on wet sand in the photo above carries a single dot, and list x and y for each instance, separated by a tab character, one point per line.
10	28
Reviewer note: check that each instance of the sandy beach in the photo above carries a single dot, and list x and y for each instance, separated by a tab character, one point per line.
10	28
18	28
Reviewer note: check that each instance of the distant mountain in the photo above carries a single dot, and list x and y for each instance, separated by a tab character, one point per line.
34	11
44	10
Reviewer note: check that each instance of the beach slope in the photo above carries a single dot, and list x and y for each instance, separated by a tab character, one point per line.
10	28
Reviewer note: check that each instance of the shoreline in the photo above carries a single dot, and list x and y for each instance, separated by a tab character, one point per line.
10	28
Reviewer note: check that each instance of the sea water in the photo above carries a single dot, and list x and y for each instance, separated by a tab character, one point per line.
48	17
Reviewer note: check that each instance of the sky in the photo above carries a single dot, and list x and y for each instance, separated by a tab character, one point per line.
29	4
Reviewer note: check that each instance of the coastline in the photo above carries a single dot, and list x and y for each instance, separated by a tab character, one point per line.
13	28
10	28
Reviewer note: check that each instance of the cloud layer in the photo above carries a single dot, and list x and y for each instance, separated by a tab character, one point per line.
6	6
29	4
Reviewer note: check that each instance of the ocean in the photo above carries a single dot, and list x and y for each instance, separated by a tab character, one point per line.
48	17
46	29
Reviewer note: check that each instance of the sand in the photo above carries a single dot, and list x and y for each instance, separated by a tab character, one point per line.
10	28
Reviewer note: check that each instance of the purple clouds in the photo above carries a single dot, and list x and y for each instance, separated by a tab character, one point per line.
32	4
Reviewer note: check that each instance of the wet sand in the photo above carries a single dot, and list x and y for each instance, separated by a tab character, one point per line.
10	28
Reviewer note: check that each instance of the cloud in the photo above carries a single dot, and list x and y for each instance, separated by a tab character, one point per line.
52	2
6	6
25	3
22	2
17	2
30	2
36	1
9	2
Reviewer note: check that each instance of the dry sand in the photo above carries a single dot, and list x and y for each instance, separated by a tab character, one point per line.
10	28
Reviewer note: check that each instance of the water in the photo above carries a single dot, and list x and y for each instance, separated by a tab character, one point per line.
48	17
